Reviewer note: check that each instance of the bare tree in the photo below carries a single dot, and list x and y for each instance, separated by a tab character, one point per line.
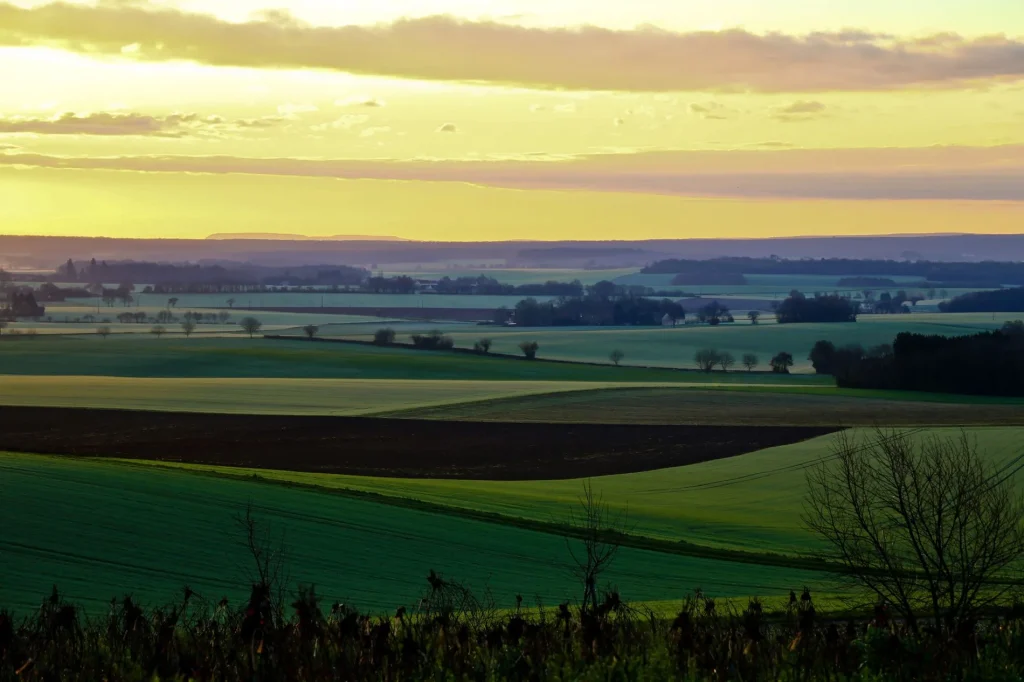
726	360
231	302
311	330
103	331
928	526
594	527
188	326
250	325
268	568
616	356
750	361
706	359
158	330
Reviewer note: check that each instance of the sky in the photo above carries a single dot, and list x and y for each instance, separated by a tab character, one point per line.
520	119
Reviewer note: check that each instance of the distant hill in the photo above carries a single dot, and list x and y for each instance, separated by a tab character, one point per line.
284	237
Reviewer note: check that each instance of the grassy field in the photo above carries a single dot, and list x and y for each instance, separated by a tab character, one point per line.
272	395
751	502
139	356
734	405
675	347
105	529
519	276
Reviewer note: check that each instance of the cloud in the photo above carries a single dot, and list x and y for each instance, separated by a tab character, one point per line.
129	124
293	110
448	128
714	111
940	173
346	122
360	101
375	131
801	110
585	58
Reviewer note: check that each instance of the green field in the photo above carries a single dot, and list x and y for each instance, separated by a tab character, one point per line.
751	502
519	276
675	347
105	529
144	356
733	405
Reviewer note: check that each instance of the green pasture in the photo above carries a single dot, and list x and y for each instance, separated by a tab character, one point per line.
751	502
734	405
102	529
676	346
145	356
232	395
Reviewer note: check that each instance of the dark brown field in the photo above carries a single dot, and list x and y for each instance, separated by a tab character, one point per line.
383	447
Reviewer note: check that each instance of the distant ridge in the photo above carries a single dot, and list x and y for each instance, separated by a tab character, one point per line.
284	237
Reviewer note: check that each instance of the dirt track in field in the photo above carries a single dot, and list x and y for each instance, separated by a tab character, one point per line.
383	447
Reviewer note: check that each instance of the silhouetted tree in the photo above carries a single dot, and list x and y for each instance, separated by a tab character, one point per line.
103	331
529	349
616	356
482	346
172	302
928	526
726	360
596	528
822	357
782	362
158	331
706	359
188	325
250	325
231	303
750	361
384	337
310	330
754	316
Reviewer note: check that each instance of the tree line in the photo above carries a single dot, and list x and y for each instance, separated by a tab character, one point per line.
951	274
987	363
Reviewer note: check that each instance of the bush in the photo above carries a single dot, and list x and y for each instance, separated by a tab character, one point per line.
482	346
384	337
435	340
529	349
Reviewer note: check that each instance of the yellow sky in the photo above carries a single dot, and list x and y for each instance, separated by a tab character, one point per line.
578	119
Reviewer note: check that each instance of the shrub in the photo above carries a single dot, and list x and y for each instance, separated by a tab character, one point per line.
384	337
435	340
482	346
529	349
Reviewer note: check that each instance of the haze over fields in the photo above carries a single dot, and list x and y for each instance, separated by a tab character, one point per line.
529	120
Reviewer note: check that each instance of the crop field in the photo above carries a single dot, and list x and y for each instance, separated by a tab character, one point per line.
64	316
382	447
143	356
675	347
733	405
105	529
750	502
